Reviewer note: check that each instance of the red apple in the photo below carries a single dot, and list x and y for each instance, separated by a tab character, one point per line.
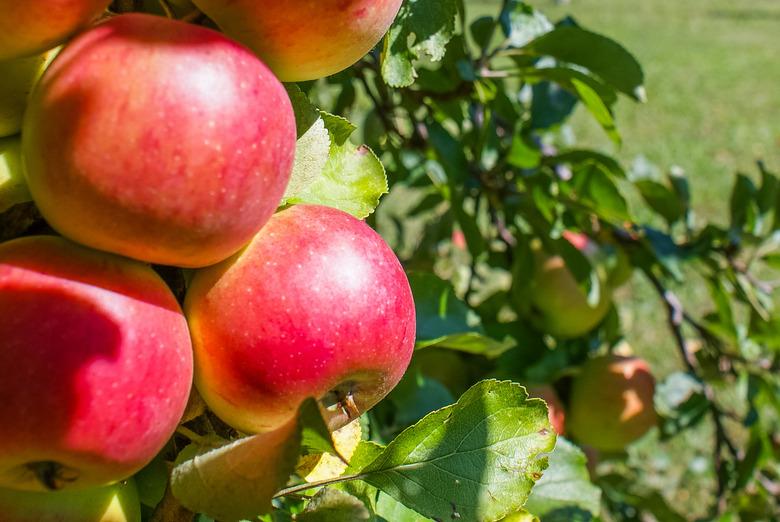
32	26
95	365
304	39
612	402
316	306
164	141
555	410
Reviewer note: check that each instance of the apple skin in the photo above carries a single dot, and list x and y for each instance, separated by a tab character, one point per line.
317	305
559	306
611	402
304	39
117	503
19	75
164	142
32	26
555	410
95	365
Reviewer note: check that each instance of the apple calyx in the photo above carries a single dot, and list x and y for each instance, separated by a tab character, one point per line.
341	401
52	475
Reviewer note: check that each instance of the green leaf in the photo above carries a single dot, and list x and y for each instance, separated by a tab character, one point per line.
598	108
445	321
315	435
13	187
238	480
565	486
423	28
333	505
348	177
595	188
582	158
602	56
661	199
522	23
475	460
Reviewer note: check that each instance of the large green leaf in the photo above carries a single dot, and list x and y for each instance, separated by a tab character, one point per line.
475	460
601	55
333	505
423	28
565	486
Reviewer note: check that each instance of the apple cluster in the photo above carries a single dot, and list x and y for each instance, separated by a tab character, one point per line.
150	141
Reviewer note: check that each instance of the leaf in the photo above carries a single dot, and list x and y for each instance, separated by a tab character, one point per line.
332	464
475	460
565	485
333	505
315	435
470	342
423	28
522	23
238	480
351	178
598	108
602	56
13	187
596	189
661	199
588	157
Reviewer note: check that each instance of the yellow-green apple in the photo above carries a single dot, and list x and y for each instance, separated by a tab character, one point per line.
117	503
559	306
317	305
13	188
305	39
555	410
17	78
611	402
164	142
95	365
32	26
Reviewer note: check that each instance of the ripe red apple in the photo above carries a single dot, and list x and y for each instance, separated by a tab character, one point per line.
164	141
17	78
612	402
304	39
117	503
32	26
316	306
555	410
95	365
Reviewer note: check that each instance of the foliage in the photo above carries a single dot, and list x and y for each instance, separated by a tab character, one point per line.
464	120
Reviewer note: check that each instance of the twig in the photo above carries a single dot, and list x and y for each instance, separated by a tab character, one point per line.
676	317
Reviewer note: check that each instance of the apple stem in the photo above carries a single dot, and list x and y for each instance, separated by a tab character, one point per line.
192	436
348	406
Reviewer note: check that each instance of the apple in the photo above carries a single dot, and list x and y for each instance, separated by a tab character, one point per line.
19	75
164	142
558	305
317	305
32	26
611	402
117	503
555	410
305	39
95	365
13	188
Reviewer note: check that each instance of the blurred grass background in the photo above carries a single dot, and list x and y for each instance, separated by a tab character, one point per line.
713	87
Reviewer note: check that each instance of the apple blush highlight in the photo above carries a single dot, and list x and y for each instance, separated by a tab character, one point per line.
95	365
164	141
317	305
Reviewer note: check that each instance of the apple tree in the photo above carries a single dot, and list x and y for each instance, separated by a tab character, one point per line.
427	326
